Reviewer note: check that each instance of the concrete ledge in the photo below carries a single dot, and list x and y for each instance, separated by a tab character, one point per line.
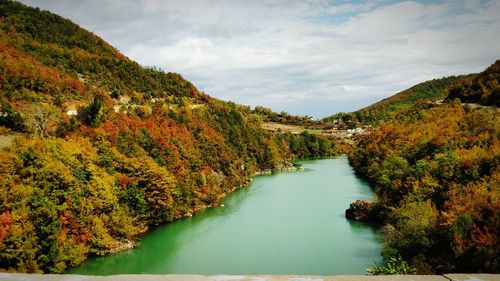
473	277
182	277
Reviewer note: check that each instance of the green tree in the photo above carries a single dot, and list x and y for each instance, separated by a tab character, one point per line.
93	114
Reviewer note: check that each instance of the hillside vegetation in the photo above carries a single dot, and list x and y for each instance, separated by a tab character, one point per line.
483	88
436	172
97	148
388	108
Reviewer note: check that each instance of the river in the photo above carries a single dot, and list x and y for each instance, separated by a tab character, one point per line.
284	223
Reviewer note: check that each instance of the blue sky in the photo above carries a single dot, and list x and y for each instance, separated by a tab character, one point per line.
311	57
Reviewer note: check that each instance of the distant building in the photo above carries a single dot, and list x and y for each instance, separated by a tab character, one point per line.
356	130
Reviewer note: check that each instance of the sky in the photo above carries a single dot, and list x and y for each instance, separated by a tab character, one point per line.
310	57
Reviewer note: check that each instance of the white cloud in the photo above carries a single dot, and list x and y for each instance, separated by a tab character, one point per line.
191	52
307	57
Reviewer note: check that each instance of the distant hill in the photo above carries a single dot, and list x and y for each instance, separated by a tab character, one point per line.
433	90
96	148
386	109
483	88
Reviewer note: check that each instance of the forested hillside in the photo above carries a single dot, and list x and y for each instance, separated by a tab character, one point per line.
436	172
483	88
99	148
388	108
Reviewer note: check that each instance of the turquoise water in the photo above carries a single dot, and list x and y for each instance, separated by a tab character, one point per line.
284	223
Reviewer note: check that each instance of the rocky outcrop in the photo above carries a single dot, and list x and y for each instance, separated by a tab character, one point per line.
366	211
360	210
122	246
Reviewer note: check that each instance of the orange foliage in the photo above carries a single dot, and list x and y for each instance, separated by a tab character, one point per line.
124	180
22	66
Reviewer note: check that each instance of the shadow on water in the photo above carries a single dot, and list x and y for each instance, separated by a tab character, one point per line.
362	226
369	235
133	261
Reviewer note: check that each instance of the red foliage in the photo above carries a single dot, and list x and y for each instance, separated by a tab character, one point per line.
468	163
86	236
22	67
5	219
124	180
484	238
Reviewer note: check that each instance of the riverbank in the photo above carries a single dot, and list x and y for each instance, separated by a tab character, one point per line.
266	227
175	277
286	166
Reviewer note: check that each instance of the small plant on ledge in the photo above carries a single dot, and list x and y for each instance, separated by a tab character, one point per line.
394	266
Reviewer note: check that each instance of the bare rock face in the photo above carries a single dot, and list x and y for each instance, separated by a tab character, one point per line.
360	211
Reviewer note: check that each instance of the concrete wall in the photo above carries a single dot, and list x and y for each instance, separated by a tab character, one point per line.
55	277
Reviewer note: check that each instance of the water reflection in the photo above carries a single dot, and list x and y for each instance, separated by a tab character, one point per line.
284	223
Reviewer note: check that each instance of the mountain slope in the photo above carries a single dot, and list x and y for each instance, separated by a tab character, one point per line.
432	90
62	46
103	148
483	88
436	171
387	108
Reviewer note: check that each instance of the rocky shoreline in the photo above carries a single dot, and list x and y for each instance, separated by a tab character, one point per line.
365	211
